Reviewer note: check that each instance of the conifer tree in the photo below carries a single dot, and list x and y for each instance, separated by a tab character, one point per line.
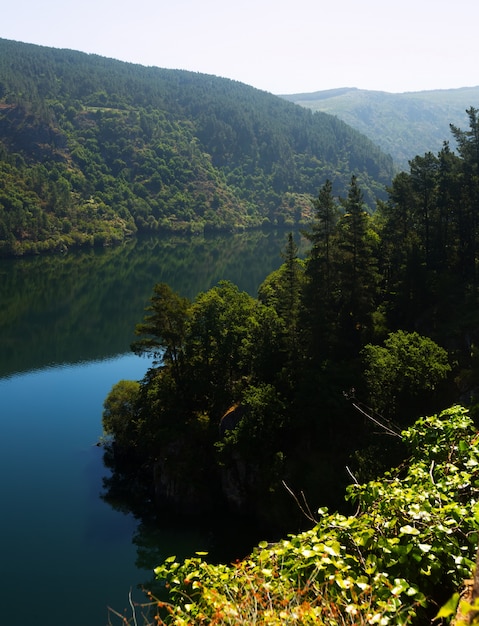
356	268
318	292
162	332
424	174
282	291
468	148
289	309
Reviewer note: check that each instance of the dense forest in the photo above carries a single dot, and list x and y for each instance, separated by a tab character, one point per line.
93	150
269	407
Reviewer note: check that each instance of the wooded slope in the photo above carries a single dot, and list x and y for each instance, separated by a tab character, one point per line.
93	149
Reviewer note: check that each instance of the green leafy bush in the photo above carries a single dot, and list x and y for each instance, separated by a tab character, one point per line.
408	547
407	367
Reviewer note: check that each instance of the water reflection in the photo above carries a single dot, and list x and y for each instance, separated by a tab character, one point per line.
84	306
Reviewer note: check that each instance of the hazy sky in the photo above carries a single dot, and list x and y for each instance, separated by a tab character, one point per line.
282	46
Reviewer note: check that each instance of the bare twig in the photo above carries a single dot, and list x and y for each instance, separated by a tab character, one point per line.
307	513
132	608
355	480
380	421
310	514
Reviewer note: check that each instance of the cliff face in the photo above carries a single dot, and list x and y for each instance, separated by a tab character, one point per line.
184	482
187	488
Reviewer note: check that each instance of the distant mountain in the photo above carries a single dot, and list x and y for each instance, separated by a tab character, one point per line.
93	150
404	125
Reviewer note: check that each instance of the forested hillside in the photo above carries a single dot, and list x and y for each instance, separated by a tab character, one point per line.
93	150
402	124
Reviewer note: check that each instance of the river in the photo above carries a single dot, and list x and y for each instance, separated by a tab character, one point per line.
66	323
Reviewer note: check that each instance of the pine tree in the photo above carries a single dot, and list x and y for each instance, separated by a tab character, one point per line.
356	268
289	309
162	332
468	148
318	292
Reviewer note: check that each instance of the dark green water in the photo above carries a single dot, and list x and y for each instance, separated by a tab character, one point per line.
66	324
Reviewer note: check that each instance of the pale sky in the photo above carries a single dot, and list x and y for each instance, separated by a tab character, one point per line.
281	46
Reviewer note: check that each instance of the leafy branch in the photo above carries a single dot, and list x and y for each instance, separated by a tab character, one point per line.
412	539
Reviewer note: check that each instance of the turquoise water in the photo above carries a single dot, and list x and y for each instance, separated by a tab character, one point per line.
65	328
66	555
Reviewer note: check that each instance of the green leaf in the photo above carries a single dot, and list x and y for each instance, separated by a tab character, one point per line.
334	549
343	583
425	547
400	585
307	554
449	608
170	559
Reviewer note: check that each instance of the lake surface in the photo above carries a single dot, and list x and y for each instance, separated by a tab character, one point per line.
66	324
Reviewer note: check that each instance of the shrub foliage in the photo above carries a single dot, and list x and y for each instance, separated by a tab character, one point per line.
410	544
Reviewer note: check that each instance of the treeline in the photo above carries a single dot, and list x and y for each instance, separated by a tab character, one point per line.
247	395
93	150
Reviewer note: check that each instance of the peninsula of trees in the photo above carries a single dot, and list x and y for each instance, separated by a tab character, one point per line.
245	392
93	150
270	406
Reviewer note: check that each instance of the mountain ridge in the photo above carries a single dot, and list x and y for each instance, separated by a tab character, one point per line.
405	124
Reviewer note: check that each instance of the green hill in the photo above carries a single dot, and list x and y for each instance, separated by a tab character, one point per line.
402	124
93	150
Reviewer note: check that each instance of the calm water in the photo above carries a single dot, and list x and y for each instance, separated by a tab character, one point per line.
65	328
